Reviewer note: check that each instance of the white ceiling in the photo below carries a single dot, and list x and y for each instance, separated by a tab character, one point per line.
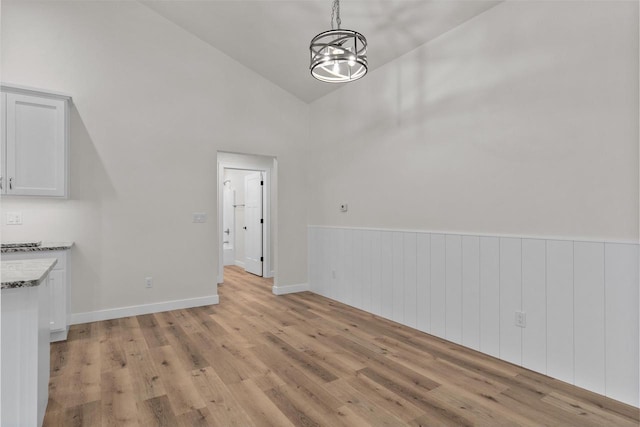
272	36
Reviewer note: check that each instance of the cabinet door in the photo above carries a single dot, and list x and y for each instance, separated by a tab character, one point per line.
57	300
3	144
36	145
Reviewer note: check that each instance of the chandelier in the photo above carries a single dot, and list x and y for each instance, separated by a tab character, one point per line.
337	55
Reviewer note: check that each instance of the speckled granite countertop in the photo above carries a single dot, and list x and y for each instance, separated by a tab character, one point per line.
25	273
44	246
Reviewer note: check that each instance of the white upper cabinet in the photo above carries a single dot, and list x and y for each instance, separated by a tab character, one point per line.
35	139
3	145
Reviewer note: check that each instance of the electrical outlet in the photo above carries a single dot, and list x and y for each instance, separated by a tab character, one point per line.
148	281
14	218
521	319
199	217
344	207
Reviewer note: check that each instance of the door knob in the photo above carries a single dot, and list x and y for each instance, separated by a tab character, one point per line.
244	227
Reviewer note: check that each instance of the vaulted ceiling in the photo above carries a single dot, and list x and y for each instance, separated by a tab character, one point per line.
272	36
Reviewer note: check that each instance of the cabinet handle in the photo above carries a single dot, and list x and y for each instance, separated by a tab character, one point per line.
10	183
0	182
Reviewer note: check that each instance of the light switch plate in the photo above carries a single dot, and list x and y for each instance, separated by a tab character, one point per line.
199	217
521	319
14	218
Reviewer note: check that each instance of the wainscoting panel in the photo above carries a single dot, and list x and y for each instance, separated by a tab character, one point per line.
580	299
347	267
367	273
423	282
438	285
376	271
621	308
386	274
534	304
588	303
453	286
560	310
471	292
510	299
490	295
333	240
357	256
397	284
410	289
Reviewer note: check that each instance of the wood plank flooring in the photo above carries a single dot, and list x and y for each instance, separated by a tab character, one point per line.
297	360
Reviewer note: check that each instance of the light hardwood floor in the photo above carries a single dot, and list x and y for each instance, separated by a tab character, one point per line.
303	360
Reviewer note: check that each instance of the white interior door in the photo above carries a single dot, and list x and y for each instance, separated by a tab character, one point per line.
228	225
253	222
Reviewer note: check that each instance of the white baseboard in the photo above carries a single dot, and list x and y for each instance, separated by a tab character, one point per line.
290	289
268	274
136	310
239	263
59	335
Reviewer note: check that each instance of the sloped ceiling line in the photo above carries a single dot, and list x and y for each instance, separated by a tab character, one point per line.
271	37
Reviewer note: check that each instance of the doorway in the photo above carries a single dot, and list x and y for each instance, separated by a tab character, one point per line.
245	221
242	219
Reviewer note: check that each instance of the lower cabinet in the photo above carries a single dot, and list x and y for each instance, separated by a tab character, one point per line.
58	290
25	355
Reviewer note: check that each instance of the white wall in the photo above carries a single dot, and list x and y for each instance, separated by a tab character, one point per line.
522	121
152	106
520	126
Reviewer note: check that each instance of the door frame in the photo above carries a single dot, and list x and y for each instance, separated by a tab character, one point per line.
268	269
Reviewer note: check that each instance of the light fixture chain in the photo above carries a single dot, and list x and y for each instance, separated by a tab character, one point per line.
335	12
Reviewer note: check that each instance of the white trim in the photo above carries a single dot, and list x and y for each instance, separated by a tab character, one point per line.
56	336
239	263
290	289
27	90
463	233
136	310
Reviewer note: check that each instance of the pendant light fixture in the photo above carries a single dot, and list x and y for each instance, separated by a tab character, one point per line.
337	55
